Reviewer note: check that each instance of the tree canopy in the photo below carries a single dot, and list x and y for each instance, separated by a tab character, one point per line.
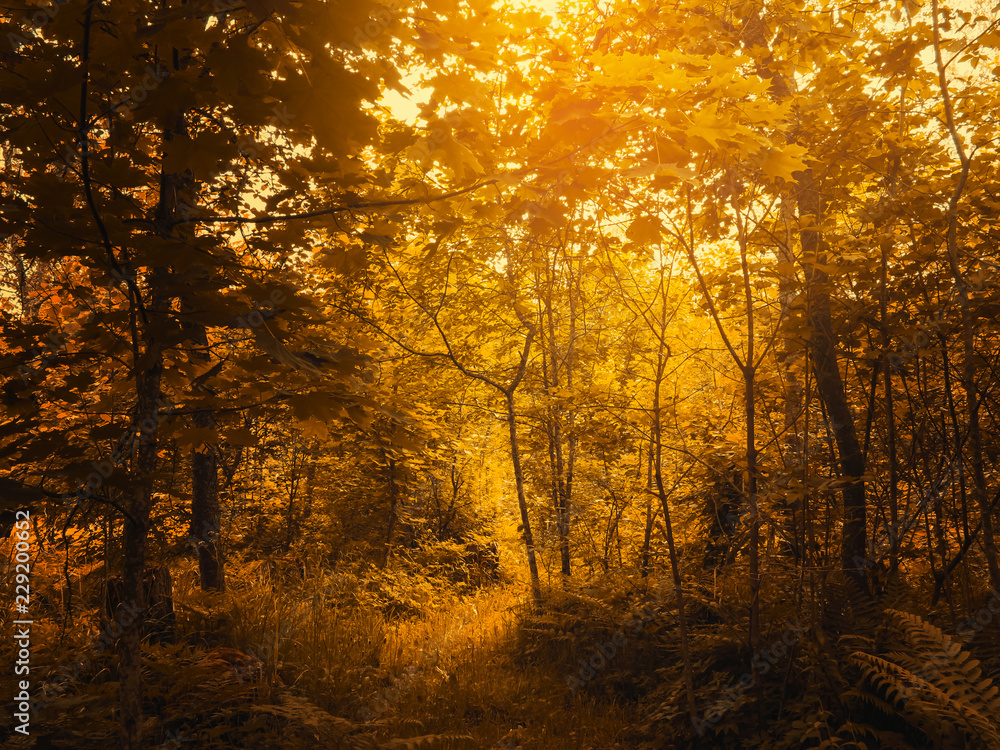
698	292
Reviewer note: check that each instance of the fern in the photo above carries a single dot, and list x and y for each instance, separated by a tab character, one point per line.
934	685
298	710
847	608
432	742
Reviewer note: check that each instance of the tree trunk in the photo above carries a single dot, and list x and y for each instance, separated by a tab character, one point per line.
149	368
307	500
393	500
561	478
650	516
668	526
823	338
206	516
573	287
522	503
890	411
293	491
794	457
148	329
749	403
830	385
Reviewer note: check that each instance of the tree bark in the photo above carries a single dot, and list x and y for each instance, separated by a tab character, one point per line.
293	492
650	516
148	355
522	503
661	362
749	369
890	411
307	500
391	490
794	458
823	340
206	515
148	327
561	469
830	385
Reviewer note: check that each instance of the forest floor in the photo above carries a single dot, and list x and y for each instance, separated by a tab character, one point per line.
460	671
412	657
436	665
281	661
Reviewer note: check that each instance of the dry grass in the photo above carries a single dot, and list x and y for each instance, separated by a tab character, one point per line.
454	669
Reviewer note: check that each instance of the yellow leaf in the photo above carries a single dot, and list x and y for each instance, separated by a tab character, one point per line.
674	170
784	161
197	437
645	230
573	110
313	428
709	127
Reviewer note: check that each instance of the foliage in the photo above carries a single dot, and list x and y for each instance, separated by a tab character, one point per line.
690	309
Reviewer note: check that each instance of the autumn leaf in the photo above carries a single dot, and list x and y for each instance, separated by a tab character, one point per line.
783	162
644	230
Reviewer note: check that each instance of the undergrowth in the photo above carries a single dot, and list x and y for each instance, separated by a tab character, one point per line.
336	660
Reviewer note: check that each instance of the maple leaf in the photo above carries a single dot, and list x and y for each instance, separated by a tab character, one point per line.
783	162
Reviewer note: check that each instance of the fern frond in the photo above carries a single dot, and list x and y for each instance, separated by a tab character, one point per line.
900	685
855	642
432	742
943	655
299	711
895	593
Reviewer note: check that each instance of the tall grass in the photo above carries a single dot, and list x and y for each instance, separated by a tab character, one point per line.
453	665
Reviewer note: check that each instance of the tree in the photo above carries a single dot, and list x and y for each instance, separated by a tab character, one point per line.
174	114
231	274
432	310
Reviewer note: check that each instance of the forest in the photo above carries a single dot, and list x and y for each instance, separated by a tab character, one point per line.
445	374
